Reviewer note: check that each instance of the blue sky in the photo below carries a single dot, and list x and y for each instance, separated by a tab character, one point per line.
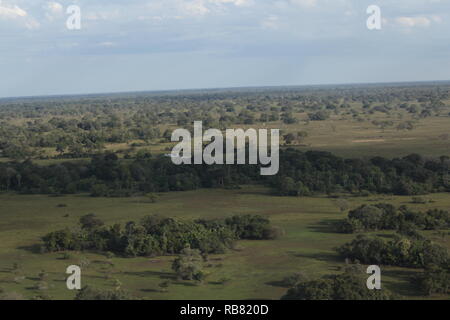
131	45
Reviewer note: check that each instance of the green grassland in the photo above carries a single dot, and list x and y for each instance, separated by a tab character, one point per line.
251	271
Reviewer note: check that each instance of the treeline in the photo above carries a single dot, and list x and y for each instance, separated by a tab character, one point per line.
350	285
155	235
301	173
385	216
398	251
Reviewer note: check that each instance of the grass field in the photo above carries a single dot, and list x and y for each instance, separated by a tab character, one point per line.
251	271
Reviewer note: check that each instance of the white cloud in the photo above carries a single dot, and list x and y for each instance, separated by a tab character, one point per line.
305	3
53	9
107	44
195	7
95	15
411	22
436	18
32	24
271	22
238	3
12	11
186	8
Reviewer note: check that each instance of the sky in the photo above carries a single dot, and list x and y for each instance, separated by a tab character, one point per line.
139	45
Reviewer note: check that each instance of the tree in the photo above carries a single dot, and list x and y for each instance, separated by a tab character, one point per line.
350	285
318	116
151	197
90	293
188	266
90	222
289	138
342	204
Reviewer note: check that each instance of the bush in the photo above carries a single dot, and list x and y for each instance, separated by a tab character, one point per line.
250	227
400	251
434	280
188	266
155	235
350	285
294	279
99	190
90	293
386	217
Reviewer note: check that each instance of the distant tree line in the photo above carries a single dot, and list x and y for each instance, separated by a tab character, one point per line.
301	173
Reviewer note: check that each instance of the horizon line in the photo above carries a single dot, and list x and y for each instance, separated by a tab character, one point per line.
231	88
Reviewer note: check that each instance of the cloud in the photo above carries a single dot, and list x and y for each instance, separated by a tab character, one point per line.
97	15
52	10
238	3
54	7
16	13
411	22
271	22
107	44
12	11
32	24
305	3
234	36
195	7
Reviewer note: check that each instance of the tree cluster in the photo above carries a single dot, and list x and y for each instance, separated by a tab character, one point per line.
155	235
385	216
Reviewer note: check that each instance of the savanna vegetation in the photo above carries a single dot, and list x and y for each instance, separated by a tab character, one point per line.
364	179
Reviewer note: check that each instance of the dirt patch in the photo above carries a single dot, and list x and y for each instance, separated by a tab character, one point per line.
368	140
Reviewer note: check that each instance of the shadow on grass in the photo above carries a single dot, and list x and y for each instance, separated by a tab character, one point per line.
324	256
161	275
257	192
386	235
34	288
35	248
218	283
151	290
405	286
325	226
279	284
185	283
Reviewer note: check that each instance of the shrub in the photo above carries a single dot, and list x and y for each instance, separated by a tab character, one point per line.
188	266
350	285
400	251
90	293
434	280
